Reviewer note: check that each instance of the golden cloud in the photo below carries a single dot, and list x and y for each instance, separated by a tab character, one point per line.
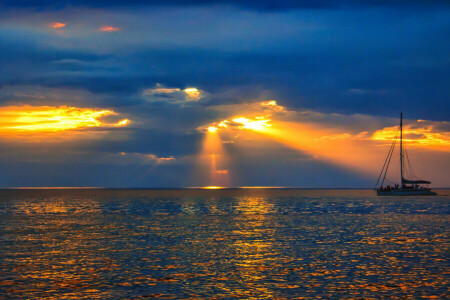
40	119
193	94
257	116
426	135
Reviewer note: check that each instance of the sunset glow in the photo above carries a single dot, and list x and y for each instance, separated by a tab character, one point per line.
257	124
212	187
359	152
213	159
224	149
258	116
242	93
325	144
424	136
35	119
307	138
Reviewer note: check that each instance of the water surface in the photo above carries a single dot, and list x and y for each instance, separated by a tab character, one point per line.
190	244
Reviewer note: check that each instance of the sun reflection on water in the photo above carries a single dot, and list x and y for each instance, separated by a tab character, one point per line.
201	243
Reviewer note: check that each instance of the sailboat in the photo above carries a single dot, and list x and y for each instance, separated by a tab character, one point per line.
407	187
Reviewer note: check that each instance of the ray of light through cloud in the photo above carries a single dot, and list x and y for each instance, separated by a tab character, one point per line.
213	160
359	152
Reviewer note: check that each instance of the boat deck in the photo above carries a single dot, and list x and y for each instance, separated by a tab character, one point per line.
406	192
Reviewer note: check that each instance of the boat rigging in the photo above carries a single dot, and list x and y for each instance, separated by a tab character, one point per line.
407	187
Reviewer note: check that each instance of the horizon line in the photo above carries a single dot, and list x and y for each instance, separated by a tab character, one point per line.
188	188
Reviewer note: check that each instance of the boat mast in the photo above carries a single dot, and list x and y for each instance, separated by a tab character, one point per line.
401	148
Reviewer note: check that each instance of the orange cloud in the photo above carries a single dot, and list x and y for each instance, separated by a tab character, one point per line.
123	122
57	25
423	136
109	28
17	120
258	116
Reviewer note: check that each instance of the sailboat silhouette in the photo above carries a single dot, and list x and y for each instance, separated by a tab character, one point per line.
407	187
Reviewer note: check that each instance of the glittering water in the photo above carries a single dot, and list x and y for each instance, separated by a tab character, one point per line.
190	244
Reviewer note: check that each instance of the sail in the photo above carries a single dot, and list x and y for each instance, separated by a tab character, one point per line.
415	181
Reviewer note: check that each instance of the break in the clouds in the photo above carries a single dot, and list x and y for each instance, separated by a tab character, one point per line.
173	95
299	93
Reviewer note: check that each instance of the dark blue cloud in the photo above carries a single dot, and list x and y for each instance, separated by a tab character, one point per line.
251	4
345	83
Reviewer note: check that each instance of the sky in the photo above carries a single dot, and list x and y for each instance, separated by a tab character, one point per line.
181	93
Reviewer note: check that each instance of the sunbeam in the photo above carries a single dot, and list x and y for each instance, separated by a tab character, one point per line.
326	145
214	159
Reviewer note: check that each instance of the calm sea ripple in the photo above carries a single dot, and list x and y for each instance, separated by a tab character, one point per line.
253	244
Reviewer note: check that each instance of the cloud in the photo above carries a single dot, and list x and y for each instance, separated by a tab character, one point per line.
127	157
264	5
109	28
307	58
253	116
260	116
421	134
57	25
42	122
173	95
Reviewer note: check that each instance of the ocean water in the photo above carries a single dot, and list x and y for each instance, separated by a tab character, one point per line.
222	244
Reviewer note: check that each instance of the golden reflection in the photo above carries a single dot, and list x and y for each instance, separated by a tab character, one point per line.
254	250
65	266
40	119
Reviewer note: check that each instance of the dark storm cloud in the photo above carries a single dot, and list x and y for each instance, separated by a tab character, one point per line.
250	4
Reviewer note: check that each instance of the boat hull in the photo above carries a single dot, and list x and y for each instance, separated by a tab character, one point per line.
406	192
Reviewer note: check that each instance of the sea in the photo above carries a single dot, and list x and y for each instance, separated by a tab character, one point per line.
222	244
